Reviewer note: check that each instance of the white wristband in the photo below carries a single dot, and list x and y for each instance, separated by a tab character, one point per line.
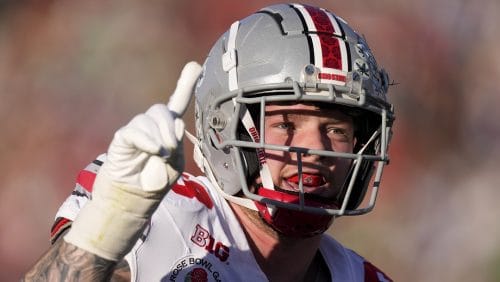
110	224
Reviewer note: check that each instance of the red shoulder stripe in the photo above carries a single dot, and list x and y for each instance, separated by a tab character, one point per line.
192	189
86	179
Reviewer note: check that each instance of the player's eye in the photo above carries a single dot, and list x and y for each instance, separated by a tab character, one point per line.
338	133
285	126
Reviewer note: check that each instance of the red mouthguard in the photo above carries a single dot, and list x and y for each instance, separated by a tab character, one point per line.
308	179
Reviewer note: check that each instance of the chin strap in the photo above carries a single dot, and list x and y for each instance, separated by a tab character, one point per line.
293	223
249	125
264	172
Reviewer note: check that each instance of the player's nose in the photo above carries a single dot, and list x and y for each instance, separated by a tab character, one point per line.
313	139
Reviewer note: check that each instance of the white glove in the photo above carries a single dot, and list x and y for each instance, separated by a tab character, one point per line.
144	159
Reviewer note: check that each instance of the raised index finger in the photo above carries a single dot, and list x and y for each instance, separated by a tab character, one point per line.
179	100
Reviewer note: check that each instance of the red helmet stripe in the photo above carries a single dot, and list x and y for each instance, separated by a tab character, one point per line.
329	49
321	21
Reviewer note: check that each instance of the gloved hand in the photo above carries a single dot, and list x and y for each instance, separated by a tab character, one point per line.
144	159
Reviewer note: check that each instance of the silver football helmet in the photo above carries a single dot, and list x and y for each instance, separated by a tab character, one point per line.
286	53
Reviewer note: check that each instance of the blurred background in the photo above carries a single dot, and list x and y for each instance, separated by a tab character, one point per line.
72	72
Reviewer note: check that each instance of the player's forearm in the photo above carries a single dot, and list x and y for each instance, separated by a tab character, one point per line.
66	262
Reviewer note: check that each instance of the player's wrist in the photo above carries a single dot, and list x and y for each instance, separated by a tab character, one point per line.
111	236
110	223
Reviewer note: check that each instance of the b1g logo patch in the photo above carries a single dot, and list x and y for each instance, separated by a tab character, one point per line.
202	238
193	269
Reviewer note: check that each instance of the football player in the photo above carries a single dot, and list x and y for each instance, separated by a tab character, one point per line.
292	131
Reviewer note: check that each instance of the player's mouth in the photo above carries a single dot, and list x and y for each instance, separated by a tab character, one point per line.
312	183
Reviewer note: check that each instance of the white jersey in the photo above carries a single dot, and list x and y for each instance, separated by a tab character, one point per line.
195	236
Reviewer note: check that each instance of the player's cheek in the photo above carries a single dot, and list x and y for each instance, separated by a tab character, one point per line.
276	162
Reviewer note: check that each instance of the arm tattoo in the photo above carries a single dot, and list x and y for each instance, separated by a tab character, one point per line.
66	262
